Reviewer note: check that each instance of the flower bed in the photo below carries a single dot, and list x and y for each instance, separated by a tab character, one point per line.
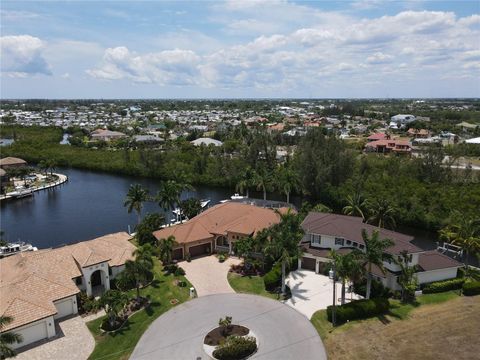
131	308
220	334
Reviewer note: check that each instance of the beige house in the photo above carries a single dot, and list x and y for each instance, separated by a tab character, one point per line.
106	135
11	162
218	228
39	287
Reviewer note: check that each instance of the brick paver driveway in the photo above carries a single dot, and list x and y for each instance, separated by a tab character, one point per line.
74	343
208	275
312	292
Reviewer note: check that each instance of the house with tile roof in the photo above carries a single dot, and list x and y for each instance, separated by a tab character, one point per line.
217	228
326	231
39	287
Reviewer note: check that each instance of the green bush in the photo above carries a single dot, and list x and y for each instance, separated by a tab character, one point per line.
221	258
235	347
359	309
273	278
471	288
442	286
170	268
179	271
377	290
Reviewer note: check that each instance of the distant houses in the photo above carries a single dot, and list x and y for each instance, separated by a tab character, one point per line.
206	142
106	135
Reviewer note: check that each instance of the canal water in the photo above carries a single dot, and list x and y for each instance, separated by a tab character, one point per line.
89	205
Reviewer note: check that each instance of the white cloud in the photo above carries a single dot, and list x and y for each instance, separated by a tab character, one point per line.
379	58
22	55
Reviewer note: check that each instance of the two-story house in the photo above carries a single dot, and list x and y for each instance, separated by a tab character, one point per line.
325	231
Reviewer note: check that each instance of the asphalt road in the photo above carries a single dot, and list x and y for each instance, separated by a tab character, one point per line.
282	332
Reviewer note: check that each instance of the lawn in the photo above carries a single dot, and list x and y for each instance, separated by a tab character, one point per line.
250	285
120	345
437	327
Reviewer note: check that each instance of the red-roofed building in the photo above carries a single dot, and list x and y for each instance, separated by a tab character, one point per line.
378	136
387	146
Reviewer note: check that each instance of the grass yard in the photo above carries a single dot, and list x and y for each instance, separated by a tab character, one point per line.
120	345
250	285
439	326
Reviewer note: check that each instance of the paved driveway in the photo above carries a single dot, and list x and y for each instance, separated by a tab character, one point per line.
208	275
74	343
281	332
312	292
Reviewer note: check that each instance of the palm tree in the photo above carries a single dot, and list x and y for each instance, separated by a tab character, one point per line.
382	214
347	267
166	249
245	182
374	255
136	196
284	239
288	181
463	232
169	194
407	279
138	271
7	338
113	301
356	206
262	180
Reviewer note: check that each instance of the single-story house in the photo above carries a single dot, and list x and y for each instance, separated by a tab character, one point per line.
106	135
12	162
206	142
325	231
217	228
418	133
39	287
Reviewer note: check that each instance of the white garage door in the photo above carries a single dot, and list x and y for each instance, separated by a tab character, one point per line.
33	333
64	308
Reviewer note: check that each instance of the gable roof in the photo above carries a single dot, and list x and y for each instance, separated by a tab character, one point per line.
219	220
350	228
30	282
12	161
433	260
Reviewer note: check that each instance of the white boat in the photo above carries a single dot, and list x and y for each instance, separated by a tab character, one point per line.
20	193
15	248
237	196
177	211
204	203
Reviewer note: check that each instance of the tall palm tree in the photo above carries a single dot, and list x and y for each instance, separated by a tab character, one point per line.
166	249
262	179
284	240
7	338
347	267
374	255
136	196
169	194
382	214
138	271
288	180
356	206
113	301
407	279
463	232
245	182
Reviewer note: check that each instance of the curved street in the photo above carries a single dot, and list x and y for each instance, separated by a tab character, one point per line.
282	332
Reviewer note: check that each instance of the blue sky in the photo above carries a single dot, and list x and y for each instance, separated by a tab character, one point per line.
231	49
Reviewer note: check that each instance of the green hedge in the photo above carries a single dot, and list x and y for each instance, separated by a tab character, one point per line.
359	309
442	286
273	278
471	288
236	347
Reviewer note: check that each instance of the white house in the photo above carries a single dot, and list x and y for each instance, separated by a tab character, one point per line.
37	288
325	231
206	142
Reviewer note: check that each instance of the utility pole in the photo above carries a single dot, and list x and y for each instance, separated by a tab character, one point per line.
334	296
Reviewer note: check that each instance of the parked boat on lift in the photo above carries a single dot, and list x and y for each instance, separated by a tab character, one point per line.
15	248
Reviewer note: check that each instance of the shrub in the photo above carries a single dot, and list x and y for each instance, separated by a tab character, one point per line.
235	347
188	257
359	309
441	286
179	271
221	258
471	288
273	278
378	290
170	268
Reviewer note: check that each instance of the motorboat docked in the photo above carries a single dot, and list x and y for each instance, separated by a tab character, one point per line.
177	211
15	248
235	196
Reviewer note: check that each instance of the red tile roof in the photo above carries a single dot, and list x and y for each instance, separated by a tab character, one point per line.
433	260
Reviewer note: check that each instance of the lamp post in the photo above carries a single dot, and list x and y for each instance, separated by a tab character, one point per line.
331	274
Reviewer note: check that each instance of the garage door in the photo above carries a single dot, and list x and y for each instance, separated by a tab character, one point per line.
308	263
178	254
199	250
33	333
64	308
